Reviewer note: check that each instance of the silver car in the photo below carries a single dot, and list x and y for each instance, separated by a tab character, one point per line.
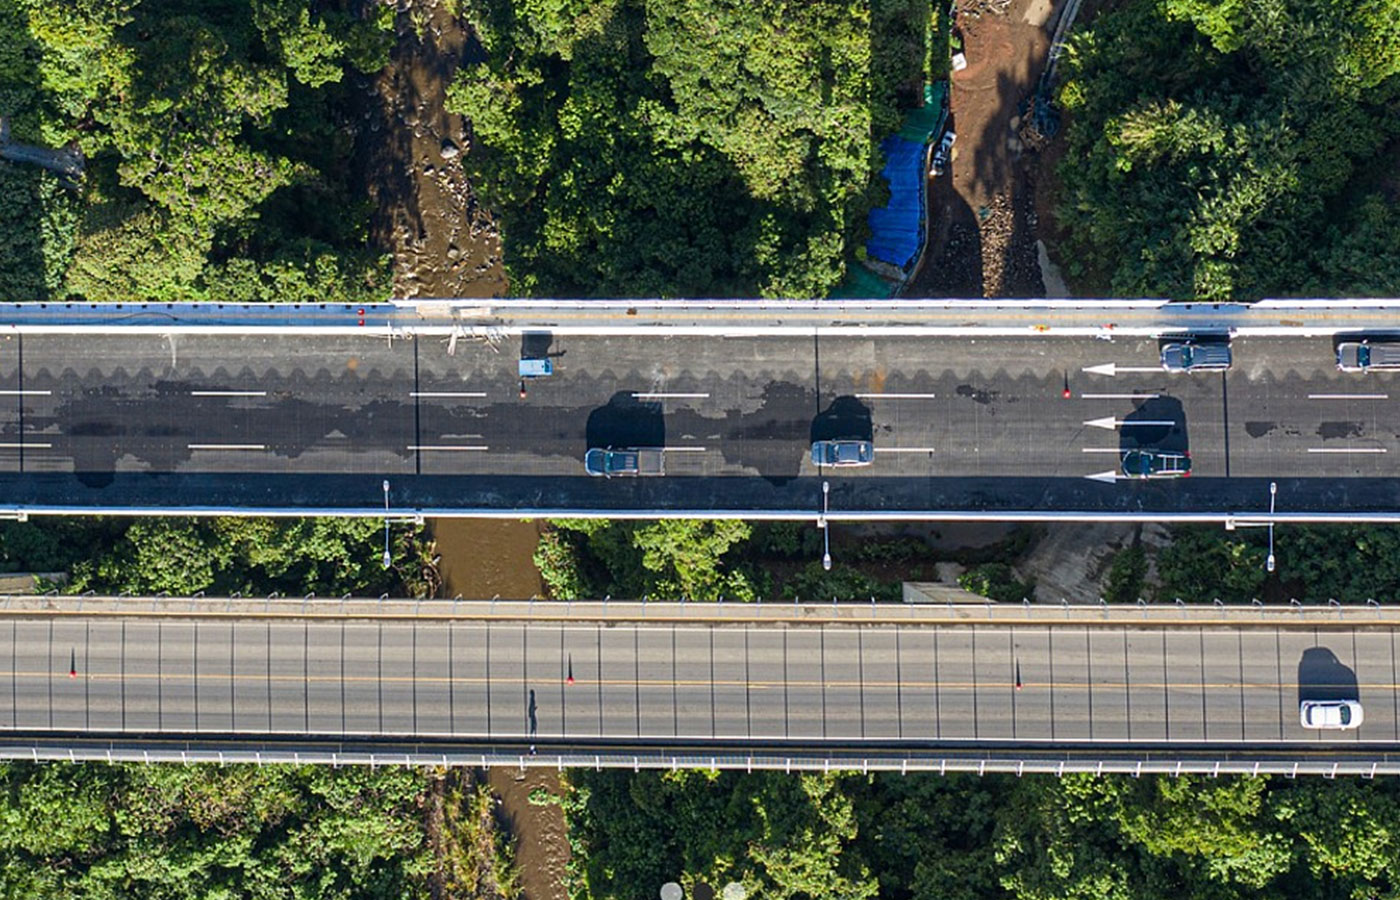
1335	715
848	452
1189	356
1363	356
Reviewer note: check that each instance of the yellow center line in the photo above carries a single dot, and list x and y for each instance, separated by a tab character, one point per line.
581	684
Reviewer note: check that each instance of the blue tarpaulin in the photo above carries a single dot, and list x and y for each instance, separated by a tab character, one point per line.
895	230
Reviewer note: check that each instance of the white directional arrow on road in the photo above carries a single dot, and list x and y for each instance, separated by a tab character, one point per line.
1111	423
1108	477
1111	369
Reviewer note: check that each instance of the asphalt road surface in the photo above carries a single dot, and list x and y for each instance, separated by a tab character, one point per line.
752	684
958	424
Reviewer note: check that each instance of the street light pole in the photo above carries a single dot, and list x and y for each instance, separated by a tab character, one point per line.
1273	494
826	532
388	557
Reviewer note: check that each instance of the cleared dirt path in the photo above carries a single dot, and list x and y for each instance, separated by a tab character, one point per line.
983	211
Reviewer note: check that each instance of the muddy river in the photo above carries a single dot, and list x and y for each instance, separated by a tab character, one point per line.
485	558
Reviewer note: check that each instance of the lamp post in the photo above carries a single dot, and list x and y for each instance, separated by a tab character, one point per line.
1273	494
826	532
388	557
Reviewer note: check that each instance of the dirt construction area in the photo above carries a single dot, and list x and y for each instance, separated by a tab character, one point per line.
984	211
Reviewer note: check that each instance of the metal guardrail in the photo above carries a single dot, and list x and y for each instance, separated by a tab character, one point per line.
1352	764
495	319
1141	615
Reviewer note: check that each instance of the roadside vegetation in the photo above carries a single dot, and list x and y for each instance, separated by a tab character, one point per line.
1315	564
1232	151
250	556
700	148
963	837
218	137
710	560
271	832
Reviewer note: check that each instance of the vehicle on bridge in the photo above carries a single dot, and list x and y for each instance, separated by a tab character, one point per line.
845	452
624	463
536	368
1156	464
1335	715
1363	356
1191	356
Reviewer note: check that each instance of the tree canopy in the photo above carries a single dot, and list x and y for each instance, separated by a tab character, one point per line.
1235	150
962	837
217	149
669	148
172	832
222	556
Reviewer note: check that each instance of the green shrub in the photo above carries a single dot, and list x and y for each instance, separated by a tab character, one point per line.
1125	576
996	581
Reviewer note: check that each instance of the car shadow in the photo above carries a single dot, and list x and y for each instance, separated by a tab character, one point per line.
845	418
1158	423
536	345
1321	676
626	422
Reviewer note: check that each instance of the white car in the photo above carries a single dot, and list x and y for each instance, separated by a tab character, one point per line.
1338	715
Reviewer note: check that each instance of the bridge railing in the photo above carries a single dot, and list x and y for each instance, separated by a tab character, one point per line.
812	613
1353	763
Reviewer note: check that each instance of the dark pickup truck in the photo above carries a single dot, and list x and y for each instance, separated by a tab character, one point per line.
627	462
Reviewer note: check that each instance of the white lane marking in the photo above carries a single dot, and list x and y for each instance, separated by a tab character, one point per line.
1348	396
684	449
1111	369
1111	423
227	446
896	396
25	393
419	447
25	445
662	395
447	393
228	393
1346	450
1099	450
879	450
1119	396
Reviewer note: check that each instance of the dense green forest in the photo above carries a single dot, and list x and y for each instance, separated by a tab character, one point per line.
168	832
961	837
1234	150
204	831
685	147
218	141
250	556
706	560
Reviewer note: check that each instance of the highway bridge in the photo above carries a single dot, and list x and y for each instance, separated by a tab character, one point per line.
977	409
1131	688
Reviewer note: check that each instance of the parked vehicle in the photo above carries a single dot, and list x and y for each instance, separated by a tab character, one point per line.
1191	356
847	452
624	463
1333	715
942	154
1156	464
1364	355
536	368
